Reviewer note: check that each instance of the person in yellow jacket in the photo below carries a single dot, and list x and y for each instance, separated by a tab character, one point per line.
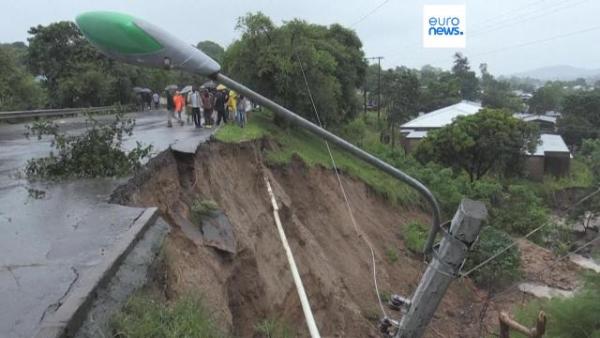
231	104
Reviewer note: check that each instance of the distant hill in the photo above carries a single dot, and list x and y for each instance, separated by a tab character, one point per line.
560	72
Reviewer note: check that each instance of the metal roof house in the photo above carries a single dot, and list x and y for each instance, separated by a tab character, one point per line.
443	116
552	155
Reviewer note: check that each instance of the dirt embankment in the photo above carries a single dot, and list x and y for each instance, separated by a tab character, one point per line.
255	283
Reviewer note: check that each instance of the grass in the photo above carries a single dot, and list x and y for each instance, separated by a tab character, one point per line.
274	328
391	255
575	317
312	151
201	209
415	236
145	316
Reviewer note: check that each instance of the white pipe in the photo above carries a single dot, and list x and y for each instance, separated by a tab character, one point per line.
310	320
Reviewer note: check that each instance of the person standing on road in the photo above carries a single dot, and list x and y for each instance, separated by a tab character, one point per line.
241	111
208	103
195	102
220	102
232	105
179	104
156	100
170	108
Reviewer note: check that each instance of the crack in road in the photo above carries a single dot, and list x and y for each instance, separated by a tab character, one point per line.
55	306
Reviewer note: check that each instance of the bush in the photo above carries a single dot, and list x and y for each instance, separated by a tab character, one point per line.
201	209
145	316
392	255
97	152
575	317
415	236
519	211
502	269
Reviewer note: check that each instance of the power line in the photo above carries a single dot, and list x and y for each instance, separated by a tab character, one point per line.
477	33
369	13
525	18
347	202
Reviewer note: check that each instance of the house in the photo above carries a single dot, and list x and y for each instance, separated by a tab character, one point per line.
546	124
415	130
551	156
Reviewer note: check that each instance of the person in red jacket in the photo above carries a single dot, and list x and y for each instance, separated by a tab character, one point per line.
179	102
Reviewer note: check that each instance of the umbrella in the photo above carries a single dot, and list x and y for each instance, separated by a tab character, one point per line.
221	87
186	89
172	87
209	84
146	90
138	89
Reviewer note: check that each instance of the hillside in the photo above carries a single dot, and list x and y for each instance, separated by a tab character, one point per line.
559	72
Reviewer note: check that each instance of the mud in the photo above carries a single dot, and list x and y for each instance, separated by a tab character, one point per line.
254	283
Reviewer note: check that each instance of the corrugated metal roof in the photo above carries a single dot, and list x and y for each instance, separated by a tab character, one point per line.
530	118
444	116
551	143
416	134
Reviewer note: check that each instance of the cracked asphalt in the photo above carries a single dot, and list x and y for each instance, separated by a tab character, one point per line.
54	233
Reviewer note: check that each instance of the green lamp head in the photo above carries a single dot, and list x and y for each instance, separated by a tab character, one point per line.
136	41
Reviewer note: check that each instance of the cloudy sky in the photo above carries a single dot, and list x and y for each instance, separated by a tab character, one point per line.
510	35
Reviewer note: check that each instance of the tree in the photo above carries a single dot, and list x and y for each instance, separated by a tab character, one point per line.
267	58
469	85
547	98
489	140
212	49
439	88
497	94
581	117
401	92
18	89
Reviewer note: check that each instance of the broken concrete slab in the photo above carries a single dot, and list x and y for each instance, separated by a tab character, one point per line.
544	291
584	262
66	316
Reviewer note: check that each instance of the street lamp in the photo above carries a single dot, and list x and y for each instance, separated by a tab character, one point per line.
137	41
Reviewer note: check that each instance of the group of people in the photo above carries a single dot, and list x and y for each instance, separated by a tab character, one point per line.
207	107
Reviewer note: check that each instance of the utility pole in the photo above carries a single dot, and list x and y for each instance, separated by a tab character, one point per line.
447	259
378	58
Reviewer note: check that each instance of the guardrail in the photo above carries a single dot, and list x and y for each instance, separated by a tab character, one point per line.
28	114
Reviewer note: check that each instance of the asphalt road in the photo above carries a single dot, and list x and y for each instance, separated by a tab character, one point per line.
52	234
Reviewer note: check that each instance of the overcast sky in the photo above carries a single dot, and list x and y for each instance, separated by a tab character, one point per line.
510	35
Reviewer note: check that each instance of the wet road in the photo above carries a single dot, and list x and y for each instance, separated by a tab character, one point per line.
52	234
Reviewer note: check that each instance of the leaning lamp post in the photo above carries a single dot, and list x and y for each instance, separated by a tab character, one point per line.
132	40
136	41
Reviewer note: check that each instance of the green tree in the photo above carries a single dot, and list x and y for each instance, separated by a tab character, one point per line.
497	94
212	49
400	88
469	84
267	57
18	89
439	88
581	117
489	140
547	98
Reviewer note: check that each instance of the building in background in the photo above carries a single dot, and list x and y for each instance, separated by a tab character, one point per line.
552	156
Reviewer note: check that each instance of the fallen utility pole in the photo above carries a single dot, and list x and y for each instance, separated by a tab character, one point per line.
443	268
506	324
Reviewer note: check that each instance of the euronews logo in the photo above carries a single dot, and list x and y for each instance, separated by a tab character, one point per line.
444	26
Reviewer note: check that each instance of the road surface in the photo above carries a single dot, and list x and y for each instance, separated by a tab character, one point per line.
53	234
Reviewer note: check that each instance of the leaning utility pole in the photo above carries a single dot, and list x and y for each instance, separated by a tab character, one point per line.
378	58
443	268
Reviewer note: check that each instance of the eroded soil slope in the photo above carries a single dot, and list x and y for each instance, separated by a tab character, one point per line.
255	283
